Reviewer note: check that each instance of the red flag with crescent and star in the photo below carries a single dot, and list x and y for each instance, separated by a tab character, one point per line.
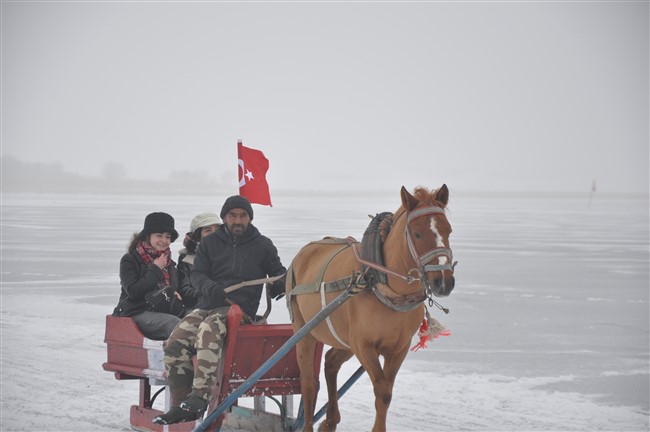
253	166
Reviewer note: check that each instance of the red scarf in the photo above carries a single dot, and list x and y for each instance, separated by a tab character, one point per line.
148	254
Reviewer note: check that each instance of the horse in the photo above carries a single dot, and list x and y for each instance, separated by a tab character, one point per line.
387	309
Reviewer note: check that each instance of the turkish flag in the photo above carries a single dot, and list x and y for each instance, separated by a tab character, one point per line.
253	166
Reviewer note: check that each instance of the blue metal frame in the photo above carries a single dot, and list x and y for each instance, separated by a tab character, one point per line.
300	420
284	349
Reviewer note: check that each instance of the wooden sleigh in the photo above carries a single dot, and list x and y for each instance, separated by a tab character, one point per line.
130	355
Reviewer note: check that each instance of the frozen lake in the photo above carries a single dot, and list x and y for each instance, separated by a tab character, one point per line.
549	318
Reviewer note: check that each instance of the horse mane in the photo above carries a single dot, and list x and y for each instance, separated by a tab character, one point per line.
426	196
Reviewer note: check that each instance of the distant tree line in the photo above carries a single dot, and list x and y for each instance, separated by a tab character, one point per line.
21	176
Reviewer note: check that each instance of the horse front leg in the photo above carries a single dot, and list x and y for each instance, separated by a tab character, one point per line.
392	364
382	381
334	359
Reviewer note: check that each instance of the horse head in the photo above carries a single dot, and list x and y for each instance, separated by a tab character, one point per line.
427	234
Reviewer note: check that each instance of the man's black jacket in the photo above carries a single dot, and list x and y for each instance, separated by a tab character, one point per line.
223	260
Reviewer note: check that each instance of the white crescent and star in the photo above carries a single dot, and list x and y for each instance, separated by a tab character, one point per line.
248	175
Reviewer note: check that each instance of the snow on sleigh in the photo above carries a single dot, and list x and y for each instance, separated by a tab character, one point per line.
130	355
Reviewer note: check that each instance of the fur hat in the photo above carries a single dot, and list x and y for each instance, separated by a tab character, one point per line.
203	220
159	223
236	201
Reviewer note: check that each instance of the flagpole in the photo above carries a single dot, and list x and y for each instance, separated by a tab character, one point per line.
239	165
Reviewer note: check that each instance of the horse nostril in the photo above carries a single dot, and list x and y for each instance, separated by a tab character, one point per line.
444	285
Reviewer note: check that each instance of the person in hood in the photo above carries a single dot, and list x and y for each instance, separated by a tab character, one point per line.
201	225
150	291
236	252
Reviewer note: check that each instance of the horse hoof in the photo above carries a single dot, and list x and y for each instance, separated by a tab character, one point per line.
326	426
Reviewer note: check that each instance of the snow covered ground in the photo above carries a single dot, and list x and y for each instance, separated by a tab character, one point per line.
549	318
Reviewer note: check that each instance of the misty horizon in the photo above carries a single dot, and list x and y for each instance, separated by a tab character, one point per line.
20	176
490	96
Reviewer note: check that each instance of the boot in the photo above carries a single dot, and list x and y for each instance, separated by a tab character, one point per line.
178	395
191	409
195	404
175	415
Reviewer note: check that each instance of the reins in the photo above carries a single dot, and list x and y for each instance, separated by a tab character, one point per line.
409	279
266	280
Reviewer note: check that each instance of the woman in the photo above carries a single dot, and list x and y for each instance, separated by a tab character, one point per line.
201	225
150	289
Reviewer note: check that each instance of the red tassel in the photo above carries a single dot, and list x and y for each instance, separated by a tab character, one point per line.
428	333
424	336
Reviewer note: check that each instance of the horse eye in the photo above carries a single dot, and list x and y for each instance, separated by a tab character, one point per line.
418	235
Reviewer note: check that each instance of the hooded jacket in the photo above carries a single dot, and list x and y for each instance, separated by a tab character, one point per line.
223	260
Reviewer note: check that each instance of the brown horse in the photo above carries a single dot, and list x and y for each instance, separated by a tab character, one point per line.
381	319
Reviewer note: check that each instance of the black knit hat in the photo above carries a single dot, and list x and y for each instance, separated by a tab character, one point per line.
236	201
159	223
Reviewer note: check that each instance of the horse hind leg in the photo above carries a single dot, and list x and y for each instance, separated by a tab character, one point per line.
334	359
306	354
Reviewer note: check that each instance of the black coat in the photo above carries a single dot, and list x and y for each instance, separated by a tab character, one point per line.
137	279
184	266
223	260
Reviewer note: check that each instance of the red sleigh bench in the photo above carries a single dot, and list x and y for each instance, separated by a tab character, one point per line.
130	355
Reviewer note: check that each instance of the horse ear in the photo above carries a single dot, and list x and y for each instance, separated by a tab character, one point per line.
442	194
408	201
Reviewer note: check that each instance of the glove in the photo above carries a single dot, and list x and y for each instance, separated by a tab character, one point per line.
217	297
190	298
277	289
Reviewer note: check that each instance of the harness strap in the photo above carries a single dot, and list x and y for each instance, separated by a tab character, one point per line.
324	287
400	303
423	211
403	303
376	266
330	326
309	288
429	256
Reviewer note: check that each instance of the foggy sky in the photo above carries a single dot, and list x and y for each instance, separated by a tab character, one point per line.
545	96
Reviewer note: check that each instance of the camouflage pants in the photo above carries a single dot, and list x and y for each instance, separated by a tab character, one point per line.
201	332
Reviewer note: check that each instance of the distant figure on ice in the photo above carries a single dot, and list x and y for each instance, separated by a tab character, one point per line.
236	252
201	225
150	290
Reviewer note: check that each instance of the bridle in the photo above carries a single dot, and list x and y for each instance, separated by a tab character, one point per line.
423	261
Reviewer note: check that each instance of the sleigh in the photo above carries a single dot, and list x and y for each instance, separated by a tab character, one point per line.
132	356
